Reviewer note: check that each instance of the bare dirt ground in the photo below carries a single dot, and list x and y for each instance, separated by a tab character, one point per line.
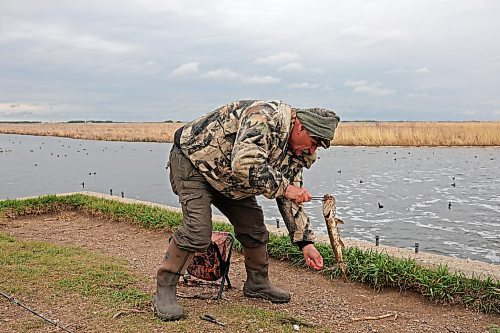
316	299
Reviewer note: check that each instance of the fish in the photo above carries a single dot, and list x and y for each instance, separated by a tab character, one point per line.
332	222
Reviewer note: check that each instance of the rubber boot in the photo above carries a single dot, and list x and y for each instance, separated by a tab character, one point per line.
257	284
165	305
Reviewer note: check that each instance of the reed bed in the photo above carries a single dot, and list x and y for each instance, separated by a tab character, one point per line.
418	134
348	133
373	268
132	132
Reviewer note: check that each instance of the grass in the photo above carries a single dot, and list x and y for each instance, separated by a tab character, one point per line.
366	266
61	276
371	133
31	266
250	319
92	285
494	329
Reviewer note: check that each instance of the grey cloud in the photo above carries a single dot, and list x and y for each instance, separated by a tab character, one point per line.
292	67
144	59
221	73
278	59
304	85
187	69
369	36
420	70
59	36
192	70
369	88
260	79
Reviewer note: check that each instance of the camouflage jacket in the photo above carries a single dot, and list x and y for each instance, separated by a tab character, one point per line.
242	150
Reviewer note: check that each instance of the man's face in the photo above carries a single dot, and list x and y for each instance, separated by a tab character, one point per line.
300	141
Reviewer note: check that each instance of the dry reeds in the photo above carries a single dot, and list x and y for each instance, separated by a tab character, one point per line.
142	132
348	133
418	134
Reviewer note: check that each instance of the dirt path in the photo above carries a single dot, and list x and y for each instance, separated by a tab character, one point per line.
316	299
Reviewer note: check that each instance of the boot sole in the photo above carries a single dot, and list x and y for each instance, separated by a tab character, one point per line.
164	317
266	297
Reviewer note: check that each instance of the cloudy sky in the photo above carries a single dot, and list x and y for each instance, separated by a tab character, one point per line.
153	60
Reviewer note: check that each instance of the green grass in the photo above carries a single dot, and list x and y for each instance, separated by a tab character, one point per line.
494	329
148	216
382	271
100	286
366	266
28	267
248	319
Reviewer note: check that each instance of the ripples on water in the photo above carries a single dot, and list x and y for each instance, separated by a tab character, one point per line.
414	185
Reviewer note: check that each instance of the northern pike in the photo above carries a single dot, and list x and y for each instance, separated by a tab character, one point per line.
332	222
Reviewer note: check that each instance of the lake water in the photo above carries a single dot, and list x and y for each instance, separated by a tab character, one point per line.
446	199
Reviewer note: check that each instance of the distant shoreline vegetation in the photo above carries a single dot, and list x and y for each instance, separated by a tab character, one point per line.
349	133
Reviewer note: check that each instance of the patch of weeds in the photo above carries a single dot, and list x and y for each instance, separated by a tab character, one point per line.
382	271
242	318
29	267
494	328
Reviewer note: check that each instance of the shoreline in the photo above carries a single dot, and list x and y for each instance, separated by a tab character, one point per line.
470	268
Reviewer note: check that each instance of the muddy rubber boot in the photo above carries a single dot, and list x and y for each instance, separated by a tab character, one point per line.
257	284
165	305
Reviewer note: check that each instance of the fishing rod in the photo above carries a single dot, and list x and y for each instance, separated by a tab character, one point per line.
27	308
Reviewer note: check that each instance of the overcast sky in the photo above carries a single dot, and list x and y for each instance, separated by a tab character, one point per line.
153	60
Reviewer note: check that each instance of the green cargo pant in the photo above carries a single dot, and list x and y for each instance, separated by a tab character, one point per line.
196	198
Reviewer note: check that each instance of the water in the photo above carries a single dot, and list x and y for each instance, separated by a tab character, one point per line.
414	186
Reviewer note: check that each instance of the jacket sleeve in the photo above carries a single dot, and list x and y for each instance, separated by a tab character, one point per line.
296	221
250	156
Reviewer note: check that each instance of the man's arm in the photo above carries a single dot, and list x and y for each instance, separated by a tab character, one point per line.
299	229
298	223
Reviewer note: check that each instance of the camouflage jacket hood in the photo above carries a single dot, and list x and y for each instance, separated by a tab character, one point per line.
242	149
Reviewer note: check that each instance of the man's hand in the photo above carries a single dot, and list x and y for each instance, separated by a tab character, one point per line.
297	194
313	257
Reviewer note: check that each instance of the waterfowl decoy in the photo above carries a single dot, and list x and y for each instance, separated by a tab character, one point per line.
449	205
